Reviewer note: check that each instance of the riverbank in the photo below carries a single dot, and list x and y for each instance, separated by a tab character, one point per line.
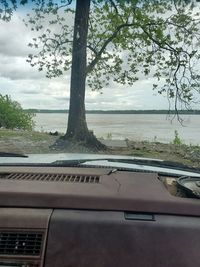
37	142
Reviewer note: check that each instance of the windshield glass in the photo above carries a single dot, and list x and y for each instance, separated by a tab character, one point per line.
104	77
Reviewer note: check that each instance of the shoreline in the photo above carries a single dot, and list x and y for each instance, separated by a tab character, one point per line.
26	142
142	112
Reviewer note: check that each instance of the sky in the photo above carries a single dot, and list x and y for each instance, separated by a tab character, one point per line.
32	89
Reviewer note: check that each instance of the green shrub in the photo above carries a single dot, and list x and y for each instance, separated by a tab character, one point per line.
176	140
12	116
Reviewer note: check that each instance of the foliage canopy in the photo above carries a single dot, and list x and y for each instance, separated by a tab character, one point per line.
126	40
12	116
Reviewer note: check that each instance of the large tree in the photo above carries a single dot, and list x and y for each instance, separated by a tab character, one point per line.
117	41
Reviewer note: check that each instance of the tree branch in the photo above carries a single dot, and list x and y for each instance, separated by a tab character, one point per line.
116	9
92	49
91	66
167	46
65	5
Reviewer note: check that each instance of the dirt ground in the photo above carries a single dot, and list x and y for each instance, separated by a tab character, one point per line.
36	142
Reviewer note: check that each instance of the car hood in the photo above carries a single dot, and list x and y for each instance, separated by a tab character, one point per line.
102	160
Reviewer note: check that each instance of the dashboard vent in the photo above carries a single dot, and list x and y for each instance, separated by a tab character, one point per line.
45	177
20	243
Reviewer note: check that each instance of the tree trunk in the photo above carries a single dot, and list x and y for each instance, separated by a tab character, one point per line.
77	129
77	126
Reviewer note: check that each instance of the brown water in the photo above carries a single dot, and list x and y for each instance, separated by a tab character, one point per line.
131	126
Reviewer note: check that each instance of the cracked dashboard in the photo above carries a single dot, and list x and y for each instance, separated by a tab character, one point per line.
69	217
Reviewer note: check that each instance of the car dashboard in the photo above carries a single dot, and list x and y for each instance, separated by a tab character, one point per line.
69	217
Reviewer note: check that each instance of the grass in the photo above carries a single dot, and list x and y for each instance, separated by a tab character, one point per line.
28	135
19	141
186	154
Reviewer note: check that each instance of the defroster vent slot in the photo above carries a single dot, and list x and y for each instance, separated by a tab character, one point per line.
50	177
20	243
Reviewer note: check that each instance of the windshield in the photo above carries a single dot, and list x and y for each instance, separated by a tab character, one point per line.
104	77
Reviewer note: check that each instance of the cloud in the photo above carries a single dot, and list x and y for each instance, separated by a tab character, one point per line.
138	96
61	98
14	38
30	92
16	68
33	93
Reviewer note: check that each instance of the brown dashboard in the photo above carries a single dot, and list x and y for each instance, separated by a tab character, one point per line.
87	217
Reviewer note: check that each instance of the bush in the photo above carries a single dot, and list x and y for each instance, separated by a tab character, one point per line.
12	116
177	140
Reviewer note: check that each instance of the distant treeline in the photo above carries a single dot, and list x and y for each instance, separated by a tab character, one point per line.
181	112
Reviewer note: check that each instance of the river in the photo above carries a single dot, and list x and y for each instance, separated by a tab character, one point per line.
132	126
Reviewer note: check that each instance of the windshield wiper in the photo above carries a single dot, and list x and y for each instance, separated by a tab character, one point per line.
161	164
146	162
12	155
72	162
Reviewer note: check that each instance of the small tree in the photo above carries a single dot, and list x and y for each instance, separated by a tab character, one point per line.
12	116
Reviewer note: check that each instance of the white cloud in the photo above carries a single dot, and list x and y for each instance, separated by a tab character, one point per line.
139	96
14	37
16	68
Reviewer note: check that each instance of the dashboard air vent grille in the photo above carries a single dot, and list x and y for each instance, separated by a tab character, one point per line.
20	243
45	177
